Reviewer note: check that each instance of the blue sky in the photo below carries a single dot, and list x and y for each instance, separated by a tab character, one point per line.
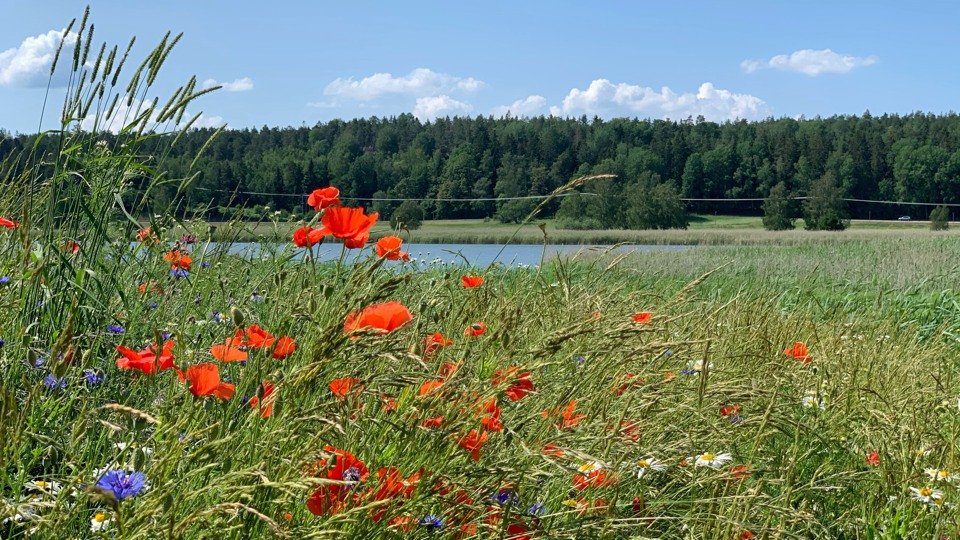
289	63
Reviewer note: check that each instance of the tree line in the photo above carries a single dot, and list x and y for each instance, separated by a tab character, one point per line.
481	167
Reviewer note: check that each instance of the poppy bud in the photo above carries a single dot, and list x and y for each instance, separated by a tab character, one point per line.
31	357
237	316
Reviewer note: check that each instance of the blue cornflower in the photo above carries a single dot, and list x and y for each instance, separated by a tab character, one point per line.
179	272
688	372
39	303
669	353
219	317
433	522
536	509
255	297
152	305
2	343
165	335
115	329
92	377
205	264
579	359
736	419
39	361
4	280
121	483
502	497
53	382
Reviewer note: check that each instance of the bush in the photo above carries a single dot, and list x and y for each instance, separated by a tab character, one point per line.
940	219
409	214
778	210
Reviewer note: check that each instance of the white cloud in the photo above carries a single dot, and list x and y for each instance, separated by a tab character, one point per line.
420	82
123	115
810	62
239	85
428	108
29	64
603	98
521	107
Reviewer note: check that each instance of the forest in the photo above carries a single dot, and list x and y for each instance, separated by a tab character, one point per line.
379	162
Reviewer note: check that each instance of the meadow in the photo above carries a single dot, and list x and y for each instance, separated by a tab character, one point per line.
150	388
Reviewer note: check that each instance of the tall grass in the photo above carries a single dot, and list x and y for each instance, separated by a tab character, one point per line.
824	449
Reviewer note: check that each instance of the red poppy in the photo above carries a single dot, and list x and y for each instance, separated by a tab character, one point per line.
284	348
149	360
447	369
643	317
433	343
595	478
384	318
307	236
392	485
429	386
630	431
343	386
264	399
490	415
389	247
8	223
516	531
630	384
351	225
146	234
551	449
154	287
740	472
747	535
476	329
727	410
205	381
472	281
323	198
799	351
70	247
473	441
569	418
873	458
520	386
178	259
436	421
347	470
230	351
258	337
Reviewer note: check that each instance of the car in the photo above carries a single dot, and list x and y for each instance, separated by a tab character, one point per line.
903	218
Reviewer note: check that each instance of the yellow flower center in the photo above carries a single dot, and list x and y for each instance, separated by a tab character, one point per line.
925	492
643	463
99	517
588	467
943	474
42	484
707	457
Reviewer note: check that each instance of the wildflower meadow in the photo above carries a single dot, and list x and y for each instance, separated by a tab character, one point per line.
156	385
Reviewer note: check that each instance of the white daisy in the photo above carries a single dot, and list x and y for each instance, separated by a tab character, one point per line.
941	475
714	461
43	486
99	522
926	494
649	464
589	467
812	401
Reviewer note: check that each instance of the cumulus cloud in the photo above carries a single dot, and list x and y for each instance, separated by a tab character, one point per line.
421	82
124	114
28	66
603	98
431	107
522	107
239	85
810	62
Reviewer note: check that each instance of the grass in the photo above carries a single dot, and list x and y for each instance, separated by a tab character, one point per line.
569	416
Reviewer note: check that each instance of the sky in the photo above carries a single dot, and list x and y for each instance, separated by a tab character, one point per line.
294	63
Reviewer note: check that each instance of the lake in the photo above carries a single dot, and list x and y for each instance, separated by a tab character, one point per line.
520	255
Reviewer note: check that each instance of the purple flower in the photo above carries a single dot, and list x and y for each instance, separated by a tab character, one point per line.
502	497
92	377
579	359
115	329
2	343
204	264
736	419
122	483
152	305
688	372
188	239
433	522
179	272
165	335
4	280
536	509
52	382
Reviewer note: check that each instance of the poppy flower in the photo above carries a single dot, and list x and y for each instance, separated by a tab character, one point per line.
799	351
873	458
473	442
392	485
264	399
284	348
70	247
178	260
229	352
258	337
347	471
383	318
433	343
490	415
323	198
591	474
351	225
447	369
551	449
429	386
643	317
569	418
470	282
520	386
307	236
728	410
8	223
436	421
389	247
632	381
740	472
476	329
205	380
144	235
149	360
343	386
